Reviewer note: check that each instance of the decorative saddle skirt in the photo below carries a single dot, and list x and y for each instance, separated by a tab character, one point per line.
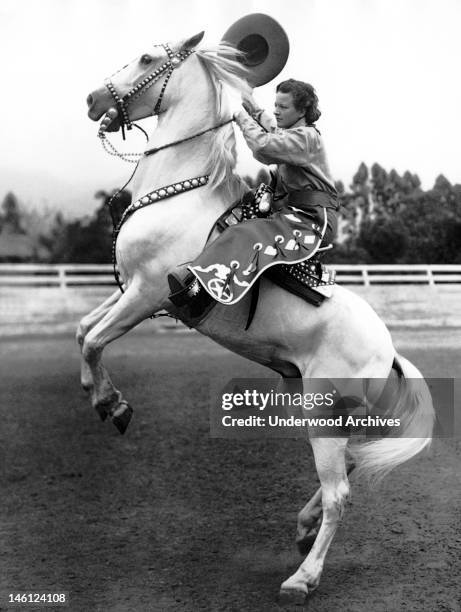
229	266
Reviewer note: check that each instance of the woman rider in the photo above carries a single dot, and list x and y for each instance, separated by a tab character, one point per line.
306	216
294	143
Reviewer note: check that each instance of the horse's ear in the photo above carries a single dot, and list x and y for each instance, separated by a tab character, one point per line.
192	42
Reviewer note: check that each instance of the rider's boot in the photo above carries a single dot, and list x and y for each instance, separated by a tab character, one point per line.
189	297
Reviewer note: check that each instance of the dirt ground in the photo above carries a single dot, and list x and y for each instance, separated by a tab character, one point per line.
166	518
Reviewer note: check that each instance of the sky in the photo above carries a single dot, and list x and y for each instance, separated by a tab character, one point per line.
386	72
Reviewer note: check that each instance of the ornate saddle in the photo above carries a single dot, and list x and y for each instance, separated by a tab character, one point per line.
309	279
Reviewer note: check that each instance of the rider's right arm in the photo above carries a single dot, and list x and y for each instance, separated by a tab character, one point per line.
265	120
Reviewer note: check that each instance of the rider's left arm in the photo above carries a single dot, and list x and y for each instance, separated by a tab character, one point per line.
293	146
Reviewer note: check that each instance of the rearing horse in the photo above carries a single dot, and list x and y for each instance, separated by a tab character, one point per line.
169	227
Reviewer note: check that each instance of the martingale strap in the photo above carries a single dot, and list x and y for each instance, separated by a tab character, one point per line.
150	198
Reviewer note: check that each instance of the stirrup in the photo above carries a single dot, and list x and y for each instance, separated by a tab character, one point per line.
182	290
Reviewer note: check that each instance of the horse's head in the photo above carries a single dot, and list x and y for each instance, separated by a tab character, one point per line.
139	89
185	86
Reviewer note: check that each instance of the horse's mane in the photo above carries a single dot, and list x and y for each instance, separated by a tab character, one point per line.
224	69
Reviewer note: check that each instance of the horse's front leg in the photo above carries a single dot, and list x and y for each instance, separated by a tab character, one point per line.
130	309
93	317
85	325
330	462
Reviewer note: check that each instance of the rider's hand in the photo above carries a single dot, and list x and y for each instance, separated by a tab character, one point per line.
250	104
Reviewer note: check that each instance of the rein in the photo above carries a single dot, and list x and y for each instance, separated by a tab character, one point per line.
111	150
176	142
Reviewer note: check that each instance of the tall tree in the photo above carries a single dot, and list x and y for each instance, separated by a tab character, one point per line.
10	218
89	240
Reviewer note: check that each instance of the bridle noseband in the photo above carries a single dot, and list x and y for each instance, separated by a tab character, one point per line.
174	60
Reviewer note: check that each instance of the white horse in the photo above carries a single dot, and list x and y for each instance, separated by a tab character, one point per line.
344	338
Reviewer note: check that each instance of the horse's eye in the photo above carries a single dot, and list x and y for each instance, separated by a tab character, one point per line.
145	59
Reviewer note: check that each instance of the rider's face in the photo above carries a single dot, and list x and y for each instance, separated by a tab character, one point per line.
285	112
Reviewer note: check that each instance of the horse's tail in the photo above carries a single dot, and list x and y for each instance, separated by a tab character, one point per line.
413	407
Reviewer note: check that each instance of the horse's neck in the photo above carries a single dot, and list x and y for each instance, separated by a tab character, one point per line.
172	164
193	114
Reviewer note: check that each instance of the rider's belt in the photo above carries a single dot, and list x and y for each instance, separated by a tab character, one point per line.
312	198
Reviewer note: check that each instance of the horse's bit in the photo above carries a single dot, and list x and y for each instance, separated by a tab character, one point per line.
174	60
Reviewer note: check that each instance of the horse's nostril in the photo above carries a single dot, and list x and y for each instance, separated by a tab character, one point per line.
89	100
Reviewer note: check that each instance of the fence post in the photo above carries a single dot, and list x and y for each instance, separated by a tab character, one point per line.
366	279
62	277
430	276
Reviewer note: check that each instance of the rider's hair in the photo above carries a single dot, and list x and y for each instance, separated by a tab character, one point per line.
304	98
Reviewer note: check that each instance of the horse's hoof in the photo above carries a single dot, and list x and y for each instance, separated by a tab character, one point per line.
101	410
122	416
291	597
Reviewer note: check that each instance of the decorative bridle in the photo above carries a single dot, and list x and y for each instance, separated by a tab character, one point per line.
166	69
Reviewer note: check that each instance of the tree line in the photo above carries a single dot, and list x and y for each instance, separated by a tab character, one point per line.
388	218
384	218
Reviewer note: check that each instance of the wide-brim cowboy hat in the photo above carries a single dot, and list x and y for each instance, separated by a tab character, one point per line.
265	44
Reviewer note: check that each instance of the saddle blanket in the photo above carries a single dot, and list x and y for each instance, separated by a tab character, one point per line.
229	266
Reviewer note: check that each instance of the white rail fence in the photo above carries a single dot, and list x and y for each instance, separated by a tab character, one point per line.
81	275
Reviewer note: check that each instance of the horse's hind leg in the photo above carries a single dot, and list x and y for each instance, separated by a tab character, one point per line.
310	519
329	454
130	309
